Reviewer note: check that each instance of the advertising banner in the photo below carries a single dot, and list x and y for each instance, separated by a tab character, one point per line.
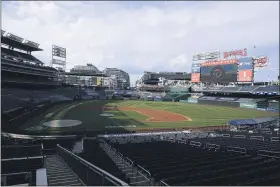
261	61
221	62
206	55
245	63
195	77
195	68
195	65
99	81
245	75
199	56
248	105
235	53
183	101
192	100
212	55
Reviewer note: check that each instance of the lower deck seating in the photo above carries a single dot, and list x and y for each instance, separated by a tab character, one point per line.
17	151
181	164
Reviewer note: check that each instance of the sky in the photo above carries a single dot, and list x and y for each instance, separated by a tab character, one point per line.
147	36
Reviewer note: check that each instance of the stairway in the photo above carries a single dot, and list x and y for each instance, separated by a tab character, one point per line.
59	174
136	177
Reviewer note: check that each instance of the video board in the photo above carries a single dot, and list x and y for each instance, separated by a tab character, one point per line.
222	73
245	69
195	76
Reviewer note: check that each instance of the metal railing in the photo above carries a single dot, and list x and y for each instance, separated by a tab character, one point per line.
239	136
125	160
196	144
182	141
162	183
225	135
212	146
22	158
90	174
257	138
130	161
275	139
270	154
237	149
145	171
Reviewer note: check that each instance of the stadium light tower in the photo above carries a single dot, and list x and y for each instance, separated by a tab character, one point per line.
59	59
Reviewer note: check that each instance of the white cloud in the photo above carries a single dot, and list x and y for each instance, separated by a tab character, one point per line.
147	36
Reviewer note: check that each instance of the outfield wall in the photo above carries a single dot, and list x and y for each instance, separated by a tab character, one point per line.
263	105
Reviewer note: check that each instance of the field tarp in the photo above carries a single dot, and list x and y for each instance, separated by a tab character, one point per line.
252	121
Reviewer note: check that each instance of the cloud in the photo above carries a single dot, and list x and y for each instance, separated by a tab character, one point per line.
144	36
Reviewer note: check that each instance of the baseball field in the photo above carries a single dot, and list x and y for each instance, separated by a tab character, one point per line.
133	116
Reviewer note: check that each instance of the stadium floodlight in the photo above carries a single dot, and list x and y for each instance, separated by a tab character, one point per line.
58	52
59	48
61	53
30	43
14	37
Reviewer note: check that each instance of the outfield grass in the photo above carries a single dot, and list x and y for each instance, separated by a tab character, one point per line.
88	112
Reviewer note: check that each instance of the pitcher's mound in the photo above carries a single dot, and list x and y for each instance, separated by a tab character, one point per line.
62	123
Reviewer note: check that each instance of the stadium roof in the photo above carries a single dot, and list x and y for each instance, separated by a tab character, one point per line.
19	45
252	122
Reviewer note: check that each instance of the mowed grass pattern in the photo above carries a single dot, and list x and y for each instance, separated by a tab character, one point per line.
201	115
88	112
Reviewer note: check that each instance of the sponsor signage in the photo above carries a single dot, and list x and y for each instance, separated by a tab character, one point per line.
245	75
192	100
199	56
235	53
183	101
245	63
212	55
195	77
196	70
248	105
262	109
261	61
221	62
196	65
206	55
99	81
